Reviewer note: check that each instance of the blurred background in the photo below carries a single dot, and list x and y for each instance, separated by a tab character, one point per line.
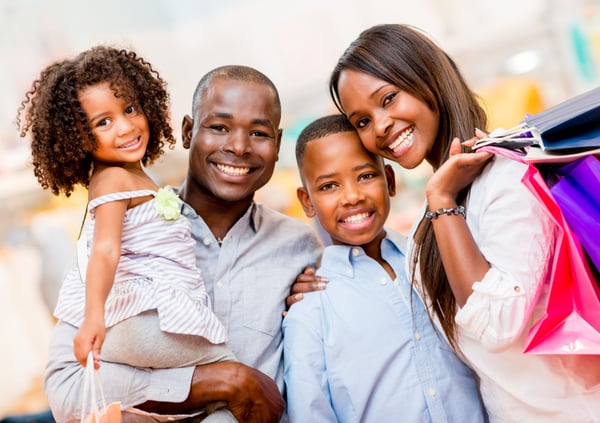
519	56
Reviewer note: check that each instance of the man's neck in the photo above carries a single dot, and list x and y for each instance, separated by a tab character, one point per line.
218	214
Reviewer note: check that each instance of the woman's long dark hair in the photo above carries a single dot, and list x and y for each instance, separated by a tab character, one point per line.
403	56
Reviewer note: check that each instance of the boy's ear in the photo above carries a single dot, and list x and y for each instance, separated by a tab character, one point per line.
186	131
390	176
304	199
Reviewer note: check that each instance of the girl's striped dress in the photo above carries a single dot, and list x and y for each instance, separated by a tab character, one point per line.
157	270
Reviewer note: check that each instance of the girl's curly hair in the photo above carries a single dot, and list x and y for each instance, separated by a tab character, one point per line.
61	138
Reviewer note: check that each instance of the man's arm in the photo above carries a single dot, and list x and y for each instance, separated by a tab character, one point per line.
251	396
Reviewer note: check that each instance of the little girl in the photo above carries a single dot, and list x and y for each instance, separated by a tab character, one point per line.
97	120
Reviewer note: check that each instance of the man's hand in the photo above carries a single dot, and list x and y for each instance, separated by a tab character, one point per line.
251	396
306	281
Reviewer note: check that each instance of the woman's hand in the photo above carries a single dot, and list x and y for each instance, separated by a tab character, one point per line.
306	281
455	173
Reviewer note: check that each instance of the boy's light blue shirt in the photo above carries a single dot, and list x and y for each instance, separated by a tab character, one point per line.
359	351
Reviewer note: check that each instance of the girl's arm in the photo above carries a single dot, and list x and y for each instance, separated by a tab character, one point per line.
102	266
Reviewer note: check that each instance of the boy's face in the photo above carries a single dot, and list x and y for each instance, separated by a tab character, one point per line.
347	189
233	138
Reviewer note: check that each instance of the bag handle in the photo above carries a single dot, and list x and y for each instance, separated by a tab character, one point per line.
91	382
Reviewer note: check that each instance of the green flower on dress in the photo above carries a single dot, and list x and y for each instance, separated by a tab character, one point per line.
167	204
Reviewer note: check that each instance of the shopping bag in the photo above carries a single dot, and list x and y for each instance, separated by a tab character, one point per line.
572	124
571	321
569	127
92	385
577	192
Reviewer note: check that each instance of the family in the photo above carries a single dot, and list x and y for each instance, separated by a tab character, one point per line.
178	294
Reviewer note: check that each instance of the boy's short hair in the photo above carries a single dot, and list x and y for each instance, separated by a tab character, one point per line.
322	127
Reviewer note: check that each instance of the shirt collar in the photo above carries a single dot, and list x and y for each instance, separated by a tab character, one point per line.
253	215
348	254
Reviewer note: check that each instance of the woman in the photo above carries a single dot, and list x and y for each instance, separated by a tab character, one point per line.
480	253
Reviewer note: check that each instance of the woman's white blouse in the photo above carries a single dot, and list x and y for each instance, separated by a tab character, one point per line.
517	238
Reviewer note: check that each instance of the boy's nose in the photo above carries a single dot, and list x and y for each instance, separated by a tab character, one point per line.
352	194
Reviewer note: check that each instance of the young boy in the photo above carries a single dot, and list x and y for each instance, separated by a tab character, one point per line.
364	349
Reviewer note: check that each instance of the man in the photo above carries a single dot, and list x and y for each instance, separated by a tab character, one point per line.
249	256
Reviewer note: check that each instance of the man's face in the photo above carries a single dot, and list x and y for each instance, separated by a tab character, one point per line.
234	139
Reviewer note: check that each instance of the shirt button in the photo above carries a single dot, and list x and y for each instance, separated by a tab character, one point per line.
417	335
206	241
355	252
383	281
219	283
432	392
517	289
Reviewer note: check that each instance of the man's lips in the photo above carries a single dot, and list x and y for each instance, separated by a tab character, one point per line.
233	170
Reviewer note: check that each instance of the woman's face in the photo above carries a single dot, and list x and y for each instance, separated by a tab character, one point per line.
389	121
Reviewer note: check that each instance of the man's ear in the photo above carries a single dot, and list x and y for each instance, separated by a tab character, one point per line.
279	135
187	125
390	176
304	199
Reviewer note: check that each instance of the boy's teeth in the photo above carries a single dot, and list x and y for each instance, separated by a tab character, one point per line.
356	218
234	171
404	137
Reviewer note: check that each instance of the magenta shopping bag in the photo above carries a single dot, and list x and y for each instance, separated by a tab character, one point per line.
571	322
577	192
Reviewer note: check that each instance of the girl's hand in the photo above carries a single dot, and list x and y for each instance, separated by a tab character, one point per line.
455	173
90	336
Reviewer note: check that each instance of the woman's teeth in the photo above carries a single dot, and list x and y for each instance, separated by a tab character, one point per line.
402	139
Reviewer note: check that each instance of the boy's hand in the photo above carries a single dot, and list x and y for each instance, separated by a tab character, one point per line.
306	281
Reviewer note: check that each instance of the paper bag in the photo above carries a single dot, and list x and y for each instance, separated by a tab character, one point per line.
577	193
571	322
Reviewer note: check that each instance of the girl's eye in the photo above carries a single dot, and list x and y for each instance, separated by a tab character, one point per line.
388	98
130	109
103	122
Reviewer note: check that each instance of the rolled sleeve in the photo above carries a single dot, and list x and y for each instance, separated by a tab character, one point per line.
516	235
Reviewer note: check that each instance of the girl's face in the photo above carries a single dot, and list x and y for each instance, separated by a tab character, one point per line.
389	121
120	127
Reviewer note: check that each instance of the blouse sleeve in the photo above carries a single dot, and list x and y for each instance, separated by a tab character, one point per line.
516	235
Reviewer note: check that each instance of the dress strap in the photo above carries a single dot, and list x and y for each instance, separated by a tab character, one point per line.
115	196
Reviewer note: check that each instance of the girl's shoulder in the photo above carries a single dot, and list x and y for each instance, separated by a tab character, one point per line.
108	180
116	180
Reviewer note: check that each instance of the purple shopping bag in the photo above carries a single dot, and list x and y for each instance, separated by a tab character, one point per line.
577	193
